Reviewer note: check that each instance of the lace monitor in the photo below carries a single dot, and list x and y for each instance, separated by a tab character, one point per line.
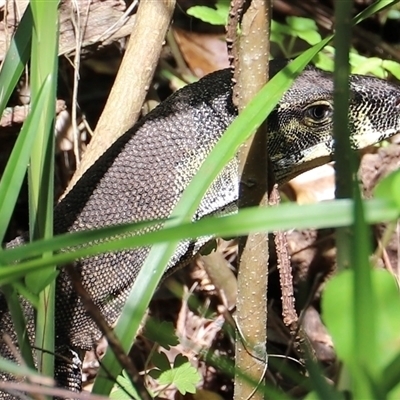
142	175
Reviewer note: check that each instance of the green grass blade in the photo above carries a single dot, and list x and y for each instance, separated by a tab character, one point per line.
17	370
14	62
15	170
9	190
364	360
323	390
44	65
16	58
353	247
391	374
19	322
344	157
373	8
41	169
286	216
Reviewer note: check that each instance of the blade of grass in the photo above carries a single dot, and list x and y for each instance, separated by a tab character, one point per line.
17	370
373	8
41	171
365	338
41	168
20	324
352	242
16	58
288	216
344	158
14	62
323	390
19	154
391	374
364	361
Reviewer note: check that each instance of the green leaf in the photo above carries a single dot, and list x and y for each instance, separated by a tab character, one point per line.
123	389
276	37
363	367
324	61
311	37
217	16
323	390
363	65
160	361
48	276
393	14
19	322
393	67
161	332
337	310
183	375
389	188
155	373
304	28
373	8
180	360
278	28
300	24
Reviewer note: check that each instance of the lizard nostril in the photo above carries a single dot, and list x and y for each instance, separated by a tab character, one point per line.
397	103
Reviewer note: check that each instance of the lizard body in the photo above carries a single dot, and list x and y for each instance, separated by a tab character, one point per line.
144	173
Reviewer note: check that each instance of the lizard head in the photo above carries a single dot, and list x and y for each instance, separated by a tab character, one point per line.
301	126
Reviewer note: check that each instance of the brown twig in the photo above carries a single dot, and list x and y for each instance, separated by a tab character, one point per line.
289	314
251	73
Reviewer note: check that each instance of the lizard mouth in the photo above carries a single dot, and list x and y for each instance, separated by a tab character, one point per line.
289	166
320	150
371	137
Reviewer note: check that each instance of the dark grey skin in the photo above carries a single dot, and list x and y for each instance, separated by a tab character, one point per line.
144	173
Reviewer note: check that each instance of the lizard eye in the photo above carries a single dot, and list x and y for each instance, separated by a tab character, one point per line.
318	113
